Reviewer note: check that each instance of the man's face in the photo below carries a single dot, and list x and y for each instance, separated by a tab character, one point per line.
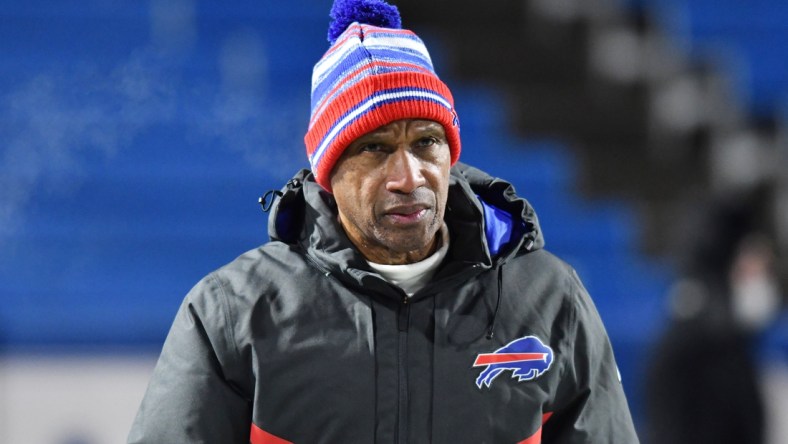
390	186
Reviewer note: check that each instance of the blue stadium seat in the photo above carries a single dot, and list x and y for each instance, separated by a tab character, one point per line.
139	226
756	32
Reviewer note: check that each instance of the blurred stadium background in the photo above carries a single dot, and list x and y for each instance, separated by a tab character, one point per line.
136	137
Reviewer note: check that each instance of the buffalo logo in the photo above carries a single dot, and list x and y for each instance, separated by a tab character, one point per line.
527	358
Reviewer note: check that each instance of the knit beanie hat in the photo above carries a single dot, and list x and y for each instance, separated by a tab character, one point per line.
374	73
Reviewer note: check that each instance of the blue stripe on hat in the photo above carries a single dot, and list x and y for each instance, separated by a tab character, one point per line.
354	59
361	75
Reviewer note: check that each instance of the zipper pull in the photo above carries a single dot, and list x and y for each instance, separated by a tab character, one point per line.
402	316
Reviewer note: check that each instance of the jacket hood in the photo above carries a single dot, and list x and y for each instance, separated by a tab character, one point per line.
483	211
509	222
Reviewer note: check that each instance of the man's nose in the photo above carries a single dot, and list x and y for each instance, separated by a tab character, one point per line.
404	172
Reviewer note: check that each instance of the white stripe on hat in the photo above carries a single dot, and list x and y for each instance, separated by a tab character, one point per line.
326	65
395	43
328	97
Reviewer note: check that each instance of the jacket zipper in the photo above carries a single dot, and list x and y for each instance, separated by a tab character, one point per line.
402	372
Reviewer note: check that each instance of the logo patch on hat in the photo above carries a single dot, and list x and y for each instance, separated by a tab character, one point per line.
527	358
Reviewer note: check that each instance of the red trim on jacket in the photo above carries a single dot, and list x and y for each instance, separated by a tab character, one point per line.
536	438
260	436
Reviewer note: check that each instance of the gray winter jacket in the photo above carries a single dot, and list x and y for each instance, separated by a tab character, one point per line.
299	341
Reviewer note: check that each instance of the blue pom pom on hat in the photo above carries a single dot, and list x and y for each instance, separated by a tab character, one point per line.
372	12
373	74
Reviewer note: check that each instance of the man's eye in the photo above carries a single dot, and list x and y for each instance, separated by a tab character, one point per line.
426	141
371	147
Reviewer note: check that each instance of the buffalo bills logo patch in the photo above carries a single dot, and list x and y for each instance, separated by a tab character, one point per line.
527	358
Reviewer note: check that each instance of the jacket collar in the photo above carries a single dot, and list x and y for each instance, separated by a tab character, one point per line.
493	223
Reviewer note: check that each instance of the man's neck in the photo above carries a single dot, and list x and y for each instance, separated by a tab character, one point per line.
412	277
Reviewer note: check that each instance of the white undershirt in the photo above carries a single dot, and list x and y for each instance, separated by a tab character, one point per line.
412	277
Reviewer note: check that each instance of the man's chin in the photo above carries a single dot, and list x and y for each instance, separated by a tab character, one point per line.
405	243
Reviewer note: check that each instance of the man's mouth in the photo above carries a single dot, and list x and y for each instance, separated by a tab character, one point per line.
406	214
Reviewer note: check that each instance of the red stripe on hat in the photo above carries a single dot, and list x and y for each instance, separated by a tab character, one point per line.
364	89
383	115
260	436
536	438
352	75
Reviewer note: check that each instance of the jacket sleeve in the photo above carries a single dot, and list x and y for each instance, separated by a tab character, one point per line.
594	407
190	398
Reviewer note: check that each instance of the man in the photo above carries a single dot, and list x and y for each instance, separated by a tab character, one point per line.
404	297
